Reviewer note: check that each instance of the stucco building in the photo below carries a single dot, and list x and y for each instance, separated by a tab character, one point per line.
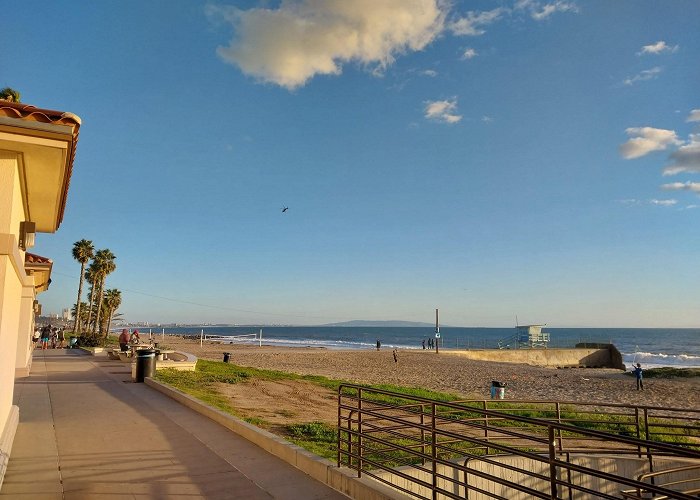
37	149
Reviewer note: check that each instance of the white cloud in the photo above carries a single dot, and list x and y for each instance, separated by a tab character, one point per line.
682	186
486	119
644	140
694	116
657	48
469	54
430	72
540	11
302	38
472	24
647	74
686	158
663	203
442	111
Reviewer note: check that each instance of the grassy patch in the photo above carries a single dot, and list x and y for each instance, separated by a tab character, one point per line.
321	438
317	437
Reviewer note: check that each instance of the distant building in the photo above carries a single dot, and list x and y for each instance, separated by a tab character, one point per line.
67	315
532	336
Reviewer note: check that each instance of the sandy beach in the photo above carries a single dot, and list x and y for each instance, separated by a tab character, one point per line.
447	373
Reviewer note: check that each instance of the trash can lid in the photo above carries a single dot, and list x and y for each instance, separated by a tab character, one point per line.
146	352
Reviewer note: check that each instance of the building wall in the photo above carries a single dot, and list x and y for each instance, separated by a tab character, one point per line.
25	346
12	280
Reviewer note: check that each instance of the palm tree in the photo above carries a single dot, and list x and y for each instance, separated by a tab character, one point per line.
112	301
90	275
8	94
105	265
82	317
83	251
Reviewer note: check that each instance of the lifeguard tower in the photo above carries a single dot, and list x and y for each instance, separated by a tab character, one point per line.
531	336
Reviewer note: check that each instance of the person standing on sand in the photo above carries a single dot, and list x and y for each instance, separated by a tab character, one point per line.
638	375
424	344
379	344
396	356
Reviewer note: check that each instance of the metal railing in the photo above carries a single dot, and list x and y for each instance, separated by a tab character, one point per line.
434	449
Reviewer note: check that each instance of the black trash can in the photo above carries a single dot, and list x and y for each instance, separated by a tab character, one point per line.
227	356
498	389
145	364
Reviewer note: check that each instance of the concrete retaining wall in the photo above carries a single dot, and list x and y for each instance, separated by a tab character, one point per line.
625	466
556	358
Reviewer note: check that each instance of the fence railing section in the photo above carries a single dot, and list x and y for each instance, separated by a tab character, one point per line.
495	449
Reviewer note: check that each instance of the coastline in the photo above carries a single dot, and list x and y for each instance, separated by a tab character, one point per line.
443	372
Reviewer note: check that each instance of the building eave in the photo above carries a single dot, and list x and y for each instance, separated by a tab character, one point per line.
48	138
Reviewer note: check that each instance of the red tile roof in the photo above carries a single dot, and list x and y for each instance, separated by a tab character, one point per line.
31	258
31	113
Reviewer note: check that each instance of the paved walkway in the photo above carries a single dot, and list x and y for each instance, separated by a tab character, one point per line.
87	432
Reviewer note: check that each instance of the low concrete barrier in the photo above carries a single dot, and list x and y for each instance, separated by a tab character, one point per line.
341	479
593	357
524	471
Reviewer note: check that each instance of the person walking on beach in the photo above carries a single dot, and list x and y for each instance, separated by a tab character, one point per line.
379	344
396	356
423	344
638	375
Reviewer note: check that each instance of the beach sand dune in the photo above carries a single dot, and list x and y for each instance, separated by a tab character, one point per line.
469	379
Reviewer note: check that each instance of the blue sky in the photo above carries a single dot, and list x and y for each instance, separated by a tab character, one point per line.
534	158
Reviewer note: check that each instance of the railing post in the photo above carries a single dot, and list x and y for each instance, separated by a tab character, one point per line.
339	424
552	467
422	432
433	453
359	432
561	439
486	425
639	431
648	437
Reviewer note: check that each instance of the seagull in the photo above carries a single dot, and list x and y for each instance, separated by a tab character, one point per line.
284	209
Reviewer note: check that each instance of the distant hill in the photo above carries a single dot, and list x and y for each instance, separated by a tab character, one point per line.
364	323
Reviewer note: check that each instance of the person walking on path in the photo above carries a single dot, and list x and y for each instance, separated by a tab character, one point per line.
45	335
638	375
61	338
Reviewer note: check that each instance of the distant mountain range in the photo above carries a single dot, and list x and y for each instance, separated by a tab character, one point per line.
365	323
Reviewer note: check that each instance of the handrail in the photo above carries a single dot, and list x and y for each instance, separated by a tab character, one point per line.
376	435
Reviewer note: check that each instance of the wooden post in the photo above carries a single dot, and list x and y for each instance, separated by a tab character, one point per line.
437	333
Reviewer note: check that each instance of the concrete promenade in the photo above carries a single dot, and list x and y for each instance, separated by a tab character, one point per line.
87	432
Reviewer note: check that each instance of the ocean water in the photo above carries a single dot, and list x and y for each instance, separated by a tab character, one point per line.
652	347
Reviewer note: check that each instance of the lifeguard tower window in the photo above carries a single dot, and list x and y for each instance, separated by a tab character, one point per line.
532	336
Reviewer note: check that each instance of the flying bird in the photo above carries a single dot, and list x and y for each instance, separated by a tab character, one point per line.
284	209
